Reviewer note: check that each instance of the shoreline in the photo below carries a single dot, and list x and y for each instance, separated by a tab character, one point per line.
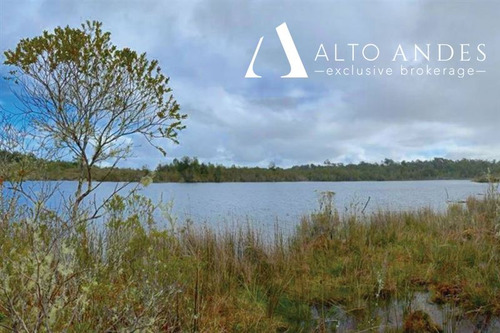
334	268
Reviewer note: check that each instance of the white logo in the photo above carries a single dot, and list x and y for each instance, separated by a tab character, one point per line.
297	69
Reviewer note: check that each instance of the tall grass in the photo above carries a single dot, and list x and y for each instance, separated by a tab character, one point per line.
135	274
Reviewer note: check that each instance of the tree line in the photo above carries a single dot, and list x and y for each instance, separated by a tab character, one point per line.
191	170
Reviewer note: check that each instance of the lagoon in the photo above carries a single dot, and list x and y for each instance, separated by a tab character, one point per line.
265	205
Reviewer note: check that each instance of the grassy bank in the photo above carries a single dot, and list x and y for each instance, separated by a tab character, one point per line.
135	275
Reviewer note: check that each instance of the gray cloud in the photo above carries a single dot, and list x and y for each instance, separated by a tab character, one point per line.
206	47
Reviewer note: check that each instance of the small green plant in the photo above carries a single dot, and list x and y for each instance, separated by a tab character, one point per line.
140	272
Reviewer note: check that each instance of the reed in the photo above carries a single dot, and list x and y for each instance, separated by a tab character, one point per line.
137	274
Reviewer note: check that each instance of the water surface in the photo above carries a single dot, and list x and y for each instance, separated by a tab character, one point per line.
262	205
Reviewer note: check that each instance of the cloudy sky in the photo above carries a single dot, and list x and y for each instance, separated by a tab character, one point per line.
206	46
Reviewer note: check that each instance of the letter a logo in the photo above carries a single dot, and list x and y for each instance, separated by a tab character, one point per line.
297	69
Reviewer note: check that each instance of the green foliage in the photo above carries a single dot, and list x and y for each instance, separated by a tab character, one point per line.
191	170
136	273
72	58
82	97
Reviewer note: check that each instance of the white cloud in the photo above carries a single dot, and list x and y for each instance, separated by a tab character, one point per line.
206	47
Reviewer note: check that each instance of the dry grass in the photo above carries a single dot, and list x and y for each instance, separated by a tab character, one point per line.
135	276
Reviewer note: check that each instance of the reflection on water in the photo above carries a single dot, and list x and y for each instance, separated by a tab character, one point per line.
391	317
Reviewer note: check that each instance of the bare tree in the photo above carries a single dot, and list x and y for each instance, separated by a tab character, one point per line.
84	97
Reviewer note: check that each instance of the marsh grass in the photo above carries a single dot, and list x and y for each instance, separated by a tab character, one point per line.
136	275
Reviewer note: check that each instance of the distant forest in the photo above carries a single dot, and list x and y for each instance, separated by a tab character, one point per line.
190	170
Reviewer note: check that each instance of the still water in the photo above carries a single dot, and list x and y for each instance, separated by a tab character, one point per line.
263	205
